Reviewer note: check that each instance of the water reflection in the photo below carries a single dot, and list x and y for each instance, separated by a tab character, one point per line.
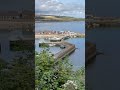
105	70
16	56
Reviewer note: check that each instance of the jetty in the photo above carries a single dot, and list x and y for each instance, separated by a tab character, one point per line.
69	48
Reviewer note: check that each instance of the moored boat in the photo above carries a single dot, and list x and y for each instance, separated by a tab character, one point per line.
62	46
51	45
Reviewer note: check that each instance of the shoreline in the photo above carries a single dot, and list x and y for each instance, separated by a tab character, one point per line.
37	36
57	21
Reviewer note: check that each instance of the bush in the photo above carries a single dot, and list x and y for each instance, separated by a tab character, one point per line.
57	75
49	74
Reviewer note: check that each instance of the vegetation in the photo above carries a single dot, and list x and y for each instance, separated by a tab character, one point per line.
18	74
21	45
48	74
52	18
52	75
2	64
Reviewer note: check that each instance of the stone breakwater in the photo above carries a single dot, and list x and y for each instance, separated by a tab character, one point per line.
69	48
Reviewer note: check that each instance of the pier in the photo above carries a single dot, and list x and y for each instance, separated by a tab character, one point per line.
69	48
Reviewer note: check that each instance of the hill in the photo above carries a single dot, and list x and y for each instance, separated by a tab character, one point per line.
52	18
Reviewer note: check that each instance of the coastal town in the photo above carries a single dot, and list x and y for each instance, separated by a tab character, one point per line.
58	38
58	34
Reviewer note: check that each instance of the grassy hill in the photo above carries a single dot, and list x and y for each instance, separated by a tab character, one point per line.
52	18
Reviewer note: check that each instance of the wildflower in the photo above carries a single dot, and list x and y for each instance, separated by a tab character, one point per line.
70	85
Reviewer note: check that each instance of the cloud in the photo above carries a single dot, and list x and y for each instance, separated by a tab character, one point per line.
55	7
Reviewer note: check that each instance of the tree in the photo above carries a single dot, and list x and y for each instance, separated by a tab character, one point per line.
18	74
79	78
49	74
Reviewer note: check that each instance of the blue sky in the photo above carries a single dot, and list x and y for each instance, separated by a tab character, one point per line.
73	8
73	1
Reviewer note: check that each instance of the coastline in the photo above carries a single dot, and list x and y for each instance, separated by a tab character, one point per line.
15	24
58	21
23	21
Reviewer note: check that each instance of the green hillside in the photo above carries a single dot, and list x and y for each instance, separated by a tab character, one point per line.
56	18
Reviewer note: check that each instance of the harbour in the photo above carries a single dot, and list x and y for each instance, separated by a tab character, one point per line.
62	36
54	30
67	48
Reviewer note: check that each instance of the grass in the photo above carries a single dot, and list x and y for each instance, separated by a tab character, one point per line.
57	18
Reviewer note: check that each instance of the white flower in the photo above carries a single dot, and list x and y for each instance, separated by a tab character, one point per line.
70	84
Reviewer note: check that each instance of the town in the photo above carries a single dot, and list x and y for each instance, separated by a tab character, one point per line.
58	34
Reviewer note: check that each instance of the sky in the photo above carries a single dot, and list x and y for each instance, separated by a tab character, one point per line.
73	8
65	7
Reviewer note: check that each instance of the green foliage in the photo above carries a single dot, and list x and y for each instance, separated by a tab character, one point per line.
18	75
53	18
21	45
79	77
44	45
54	75
2	64
50	74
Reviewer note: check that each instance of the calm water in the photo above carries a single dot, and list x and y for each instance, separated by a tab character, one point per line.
77	58
61	26
106	68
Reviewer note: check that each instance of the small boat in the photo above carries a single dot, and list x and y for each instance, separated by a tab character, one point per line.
55	39
67	37
51	45
62	47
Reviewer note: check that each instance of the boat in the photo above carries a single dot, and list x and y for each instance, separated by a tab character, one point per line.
55	39
62	46
67	37
51	45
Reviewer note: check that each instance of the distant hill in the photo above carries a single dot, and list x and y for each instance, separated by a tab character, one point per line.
52	18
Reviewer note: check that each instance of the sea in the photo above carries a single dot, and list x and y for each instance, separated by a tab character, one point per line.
104	72
77	58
